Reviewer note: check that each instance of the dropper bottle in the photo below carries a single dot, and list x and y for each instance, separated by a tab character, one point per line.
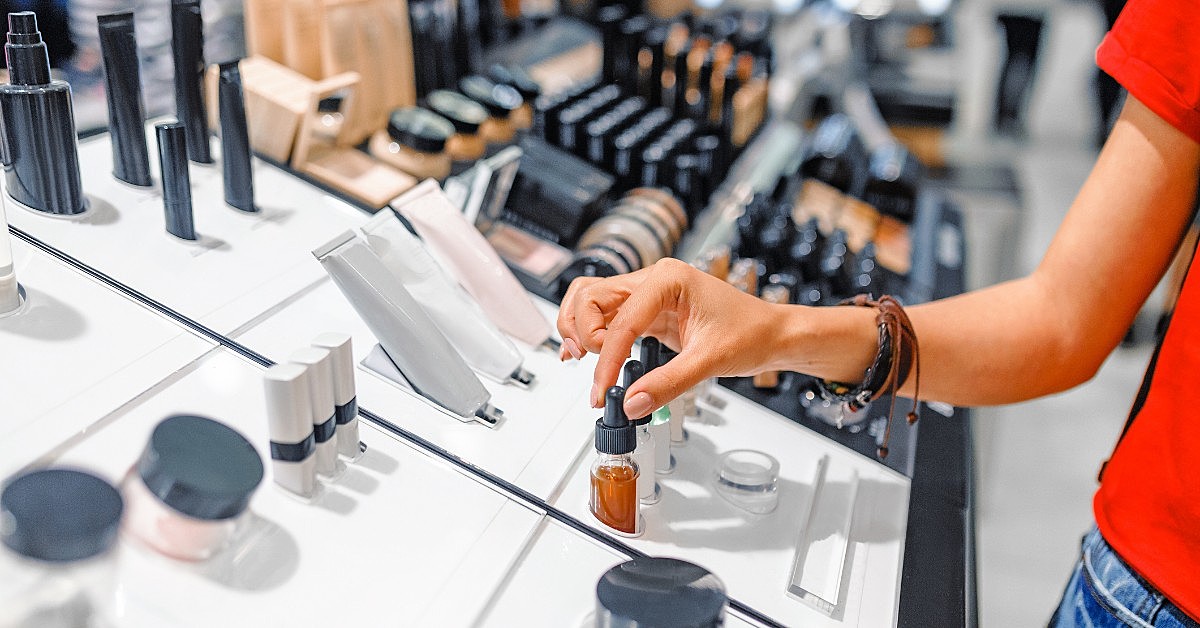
643	454
614	497
660	419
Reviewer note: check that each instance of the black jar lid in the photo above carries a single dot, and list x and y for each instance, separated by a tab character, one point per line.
517	78
500	100
465	114
652	592
59	515
200	467
419	129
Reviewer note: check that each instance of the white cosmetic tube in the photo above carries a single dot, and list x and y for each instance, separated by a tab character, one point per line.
289	417
478	267
319	365
345	397
455	313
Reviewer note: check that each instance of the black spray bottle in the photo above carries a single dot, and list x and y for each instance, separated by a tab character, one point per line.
235	139
187	44
41	164
123	90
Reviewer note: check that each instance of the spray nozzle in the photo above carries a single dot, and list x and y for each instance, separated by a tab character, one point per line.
23	28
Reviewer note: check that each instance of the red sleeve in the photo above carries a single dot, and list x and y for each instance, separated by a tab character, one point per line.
1154	52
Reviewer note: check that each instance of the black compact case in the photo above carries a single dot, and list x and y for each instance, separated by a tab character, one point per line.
556	195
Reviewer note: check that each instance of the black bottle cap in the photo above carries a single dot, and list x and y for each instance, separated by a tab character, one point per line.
420	129
665	354
609	19
200	467
660	593
465	114
59	515
516	78
614	433
650	353
26	54
500	100
631	373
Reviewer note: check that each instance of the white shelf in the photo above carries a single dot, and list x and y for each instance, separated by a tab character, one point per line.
75	352
242	265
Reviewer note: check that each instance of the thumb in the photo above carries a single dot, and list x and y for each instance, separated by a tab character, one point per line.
660	386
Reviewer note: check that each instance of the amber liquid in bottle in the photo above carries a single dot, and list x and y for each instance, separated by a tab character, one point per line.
614	498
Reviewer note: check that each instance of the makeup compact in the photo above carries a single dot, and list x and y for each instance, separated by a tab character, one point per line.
415	142
467	116
187	492
518	79
59	529
660	592
501	101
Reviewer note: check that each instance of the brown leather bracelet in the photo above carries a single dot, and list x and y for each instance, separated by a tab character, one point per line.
898	351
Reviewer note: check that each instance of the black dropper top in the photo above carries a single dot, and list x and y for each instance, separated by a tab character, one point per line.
28	59
649	354
614	433
632	372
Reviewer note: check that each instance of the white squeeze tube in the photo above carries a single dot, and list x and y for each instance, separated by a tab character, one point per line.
10	298
469	256
459	317
413	343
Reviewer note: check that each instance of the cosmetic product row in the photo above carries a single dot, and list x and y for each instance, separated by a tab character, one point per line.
643	227
648	128
312	413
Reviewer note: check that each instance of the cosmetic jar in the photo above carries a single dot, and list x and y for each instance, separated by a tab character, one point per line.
500	101
187	492
59	527
749	480
467	116
659	592
415	142
528	88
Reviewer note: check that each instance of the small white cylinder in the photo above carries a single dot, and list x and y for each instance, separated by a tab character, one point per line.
290	416
344	392
320	383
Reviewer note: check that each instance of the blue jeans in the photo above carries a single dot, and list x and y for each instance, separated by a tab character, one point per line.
1104	592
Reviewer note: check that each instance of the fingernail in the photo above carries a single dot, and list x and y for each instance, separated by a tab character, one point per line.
573	347
638	405
562	354
596	401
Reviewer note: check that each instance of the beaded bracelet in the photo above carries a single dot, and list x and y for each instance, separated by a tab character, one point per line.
898	354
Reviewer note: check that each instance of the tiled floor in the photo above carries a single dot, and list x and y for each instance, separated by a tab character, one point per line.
1037	461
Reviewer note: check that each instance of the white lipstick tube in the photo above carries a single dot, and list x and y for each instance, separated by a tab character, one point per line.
319	364
478	267
289	419
460	318
345	397
411	340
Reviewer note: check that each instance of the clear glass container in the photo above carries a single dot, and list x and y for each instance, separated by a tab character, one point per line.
643	455
749	480
614	496
660	431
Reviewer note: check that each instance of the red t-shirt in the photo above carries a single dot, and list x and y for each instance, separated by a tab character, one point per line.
1148	505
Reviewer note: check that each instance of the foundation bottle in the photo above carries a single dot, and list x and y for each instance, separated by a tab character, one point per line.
643	453
415	142
614	474
499	100
467	116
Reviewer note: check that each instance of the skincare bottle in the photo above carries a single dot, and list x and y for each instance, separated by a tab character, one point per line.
187	46
411	341
123	92
467	116
660	419
659	592
10	290
236	165
415	142
465	325
468	255
345	395
643	453
614	474
185	495
319	365
681	407
176	182
58	565
37	146
289	417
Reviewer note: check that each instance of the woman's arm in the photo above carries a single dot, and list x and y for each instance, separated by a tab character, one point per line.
1032	336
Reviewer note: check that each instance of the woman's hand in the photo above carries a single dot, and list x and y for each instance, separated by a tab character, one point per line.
717	329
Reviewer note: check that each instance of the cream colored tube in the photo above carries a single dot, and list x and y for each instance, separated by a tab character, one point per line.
474	262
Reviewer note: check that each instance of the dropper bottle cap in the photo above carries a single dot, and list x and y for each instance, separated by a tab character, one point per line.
650	352
614	433
26	54
633	371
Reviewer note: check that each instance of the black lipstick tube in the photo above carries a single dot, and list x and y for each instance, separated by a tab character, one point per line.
176	184
123	91
187	44
235	139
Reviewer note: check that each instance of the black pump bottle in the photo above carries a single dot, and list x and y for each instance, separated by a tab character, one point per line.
37	137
